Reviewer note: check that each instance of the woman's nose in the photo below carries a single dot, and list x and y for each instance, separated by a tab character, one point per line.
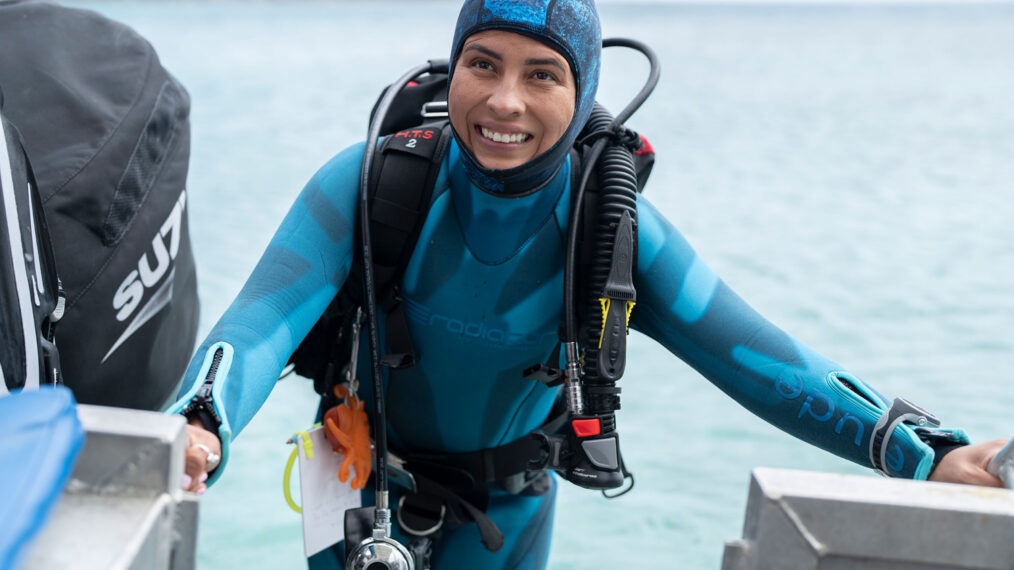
507	98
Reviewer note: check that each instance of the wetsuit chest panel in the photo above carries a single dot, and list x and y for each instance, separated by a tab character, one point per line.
476	326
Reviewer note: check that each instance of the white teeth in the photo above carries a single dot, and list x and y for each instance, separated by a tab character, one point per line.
502	137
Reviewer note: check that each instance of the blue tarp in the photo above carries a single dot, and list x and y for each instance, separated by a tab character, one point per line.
40	437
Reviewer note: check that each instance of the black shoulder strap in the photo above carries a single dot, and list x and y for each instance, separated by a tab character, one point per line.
400	195
400	200
404	174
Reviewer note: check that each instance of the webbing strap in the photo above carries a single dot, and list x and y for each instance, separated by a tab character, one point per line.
486	465
401	193
493	464
492	537
400	199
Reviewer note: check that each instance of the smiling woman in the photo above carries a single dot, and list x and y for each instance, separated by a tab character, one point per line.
511	99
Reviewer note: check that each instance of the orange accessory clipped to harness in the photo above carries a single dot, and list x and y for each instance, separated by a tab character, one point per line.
348	430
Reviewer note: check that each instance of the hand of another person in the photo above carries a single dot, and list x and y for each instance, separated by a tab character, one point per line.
204	451
967	465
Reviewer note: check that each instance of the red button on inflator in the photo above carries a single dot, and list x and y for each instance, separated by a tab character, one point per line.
585	428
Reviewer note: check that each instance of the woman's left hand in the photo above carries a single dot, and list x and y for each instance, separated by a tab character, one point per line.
967	465
204	452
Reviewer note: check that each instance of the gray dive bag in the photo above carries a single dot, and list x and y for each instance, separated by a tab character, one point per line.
106	129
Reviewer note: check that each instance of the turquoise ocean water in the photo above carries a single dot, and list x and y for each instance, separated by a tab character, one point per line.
849	170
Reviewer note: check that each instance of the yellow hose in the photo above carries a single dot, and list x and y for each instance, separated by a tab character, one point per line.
300	437
287	478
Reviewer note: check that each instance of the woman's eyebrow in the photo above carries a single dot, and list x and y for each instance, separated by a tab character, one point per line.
545	61
483	50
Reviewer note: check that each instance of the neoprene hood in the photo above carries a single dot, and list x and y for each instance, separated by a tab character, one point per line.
571	28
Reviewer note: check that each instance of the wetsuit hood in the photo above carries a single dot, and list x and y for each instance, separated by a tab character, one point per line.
571	27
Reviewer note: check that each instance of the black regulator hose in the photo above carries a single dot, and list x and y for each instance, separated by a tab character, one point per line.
369	284
598	123
602	125
618	197
654	71
377	549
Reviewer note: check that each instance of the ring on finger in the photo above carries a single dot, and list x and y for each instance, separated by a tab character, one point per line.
212	460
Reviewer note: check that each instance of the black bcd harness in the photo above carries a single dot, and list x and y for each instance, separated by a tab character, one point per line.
451	488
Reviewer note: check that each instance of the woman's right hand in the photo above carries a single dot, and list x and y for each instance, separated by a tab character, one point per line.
204	451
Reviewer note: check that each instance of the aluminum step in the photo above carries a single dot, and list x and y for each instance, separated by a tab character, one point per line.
797	520
123	508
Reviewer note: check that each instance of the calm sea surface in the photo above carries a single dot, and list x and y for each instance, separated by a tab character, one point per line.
848	170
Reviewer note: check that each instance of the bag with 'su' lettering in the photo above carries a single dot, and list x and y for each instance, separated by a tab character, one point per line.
107	130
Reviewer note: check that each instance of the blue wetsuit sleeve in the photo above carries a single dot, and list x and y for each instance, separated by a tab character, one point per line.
683	305
299	273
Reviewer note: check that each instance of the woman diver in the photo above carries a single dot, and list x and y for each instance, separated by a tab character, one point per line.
523	78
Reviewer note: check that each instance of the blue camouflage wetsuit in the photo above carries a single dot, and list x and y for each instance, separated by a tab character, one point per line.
483	296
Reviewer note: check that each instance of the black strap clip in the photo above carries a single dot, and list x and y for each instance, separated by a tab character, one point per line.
901	411
554	452
545	373
398	360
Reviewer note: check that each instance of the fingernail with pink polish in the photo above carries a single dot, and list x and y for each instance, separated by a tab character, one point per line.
202	490
202	478
187	480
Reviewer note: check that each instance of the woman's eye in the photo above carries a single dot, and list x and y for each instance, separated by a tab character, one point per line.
482	64
544	76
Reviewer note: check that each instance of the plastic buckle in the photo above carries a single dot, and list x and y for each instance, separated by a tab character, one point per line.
434	109
544	373
554	450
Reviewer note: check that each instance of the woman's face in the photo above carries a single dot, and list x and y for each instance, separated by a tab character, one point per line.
511	98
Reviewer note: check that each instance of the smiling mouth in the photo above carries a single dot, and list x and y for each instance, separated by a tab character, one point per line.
507	138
